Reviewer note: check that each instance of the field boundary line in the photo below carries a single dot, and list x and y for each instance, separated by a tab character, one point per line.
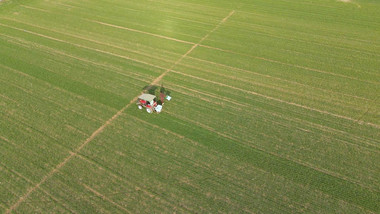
108	122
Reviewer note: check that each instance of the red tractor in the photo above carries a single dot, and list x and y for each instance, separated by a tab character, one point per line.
149	102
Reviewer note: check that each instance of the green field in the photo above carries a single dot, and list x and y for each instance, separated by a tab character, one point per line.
275	106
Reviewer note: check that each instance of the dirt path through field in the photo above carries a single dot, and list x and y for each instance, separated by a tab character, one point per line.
108	122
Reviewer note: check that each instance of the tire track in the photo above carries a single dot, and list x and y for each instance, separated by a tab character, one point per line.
62	106
289	90
101	17
279	100
107	123
270	77
217	64
186	42
55	52
300	121
248	144
208	62
34	8
289	64
141	32
99	42
82	46
268	31
126	180
44	191
284	90
105	198
191	49
229	51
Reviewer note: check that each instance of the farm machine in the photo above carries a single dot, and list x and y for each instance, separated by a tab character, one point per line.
149	102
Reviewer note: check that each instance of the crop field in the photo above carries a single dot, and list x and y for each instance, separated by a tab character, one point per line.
275	106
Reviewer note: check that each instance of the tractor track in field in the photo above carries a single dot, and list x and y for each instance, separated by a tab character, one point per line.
44	191
289	64
62	53
265	32
295	160
136	186
185	65
82	46
271	77
105	198
8	98
4	138
300	122
278	100
116	70
142	32
250	145
34	8
96	41
153	65
265	85
101	17
51	100
107	123
224	99
229	51
274	87
210	47
284	103
205	166
234	21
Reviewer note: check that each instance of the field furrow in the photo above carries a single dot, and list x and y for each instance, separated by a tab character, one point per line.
274	109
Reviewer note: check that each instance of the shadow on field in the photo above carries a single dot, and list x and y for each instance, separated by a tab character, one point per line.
155	90
150	89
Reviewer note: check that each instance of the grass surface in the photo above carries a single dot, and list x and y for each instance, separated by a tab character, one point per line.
275	106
